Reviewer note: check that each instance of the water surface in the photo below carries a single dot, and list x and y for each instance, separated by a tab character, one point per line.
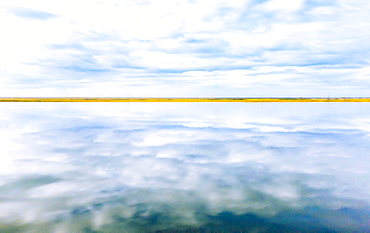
184	167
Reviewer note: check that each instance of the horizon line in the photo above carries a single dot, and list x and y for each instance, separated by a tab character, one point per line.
185	99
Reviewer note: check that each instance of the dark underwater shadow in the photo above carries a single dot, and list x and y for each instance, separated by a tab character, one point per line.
310	220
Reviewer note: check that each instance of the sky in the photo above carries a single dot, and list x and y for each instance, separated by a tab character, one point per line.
185	48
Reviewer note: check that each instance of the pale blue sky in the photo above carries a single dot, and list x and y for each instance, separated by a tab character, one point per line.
173	48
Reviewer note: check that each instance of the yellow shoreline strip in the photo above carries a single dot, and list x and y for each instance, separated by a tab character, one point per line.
247	100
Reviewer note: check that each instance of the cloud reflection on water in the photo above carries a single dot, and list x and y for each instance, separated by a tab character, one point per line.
146	167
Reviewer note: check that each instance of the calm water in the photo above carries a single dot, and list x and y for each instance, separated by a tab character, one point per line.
184	167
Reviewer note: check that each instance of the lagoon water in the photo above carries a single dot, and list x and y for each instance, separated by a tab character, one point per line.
184	167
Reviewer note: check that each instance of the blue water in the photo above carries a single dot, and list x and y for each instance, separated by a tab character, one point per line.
184	167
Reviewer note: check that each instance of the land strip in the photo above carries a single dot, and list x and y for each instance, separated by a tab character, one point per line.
248	100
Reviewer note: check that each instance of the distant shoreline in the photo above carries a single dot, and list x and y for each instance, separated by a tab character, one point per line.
247	100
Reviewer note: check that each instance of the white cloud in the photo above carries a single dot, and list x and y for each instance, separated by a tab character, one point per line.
166	40
281	5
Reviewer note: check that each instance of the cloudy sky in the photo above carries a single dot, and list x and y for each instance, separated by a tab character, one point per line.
174	48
